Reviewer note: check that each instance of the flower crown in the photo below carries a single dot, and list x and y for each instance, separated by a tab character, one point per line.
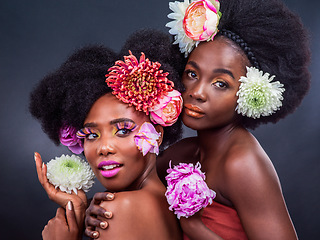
145	86
197	21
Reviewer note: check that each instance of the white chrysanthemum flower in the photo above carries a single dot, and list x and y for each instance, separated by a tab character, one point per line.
258	96
70	173
186	44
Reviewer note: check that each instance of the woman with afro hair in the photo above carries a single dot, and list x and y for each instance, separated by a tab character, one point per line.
247	64
84	103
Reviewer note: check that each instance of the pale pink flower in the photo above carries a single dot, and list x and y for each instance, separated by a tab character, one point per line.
146	139
168	110
68	137
187	192
201	20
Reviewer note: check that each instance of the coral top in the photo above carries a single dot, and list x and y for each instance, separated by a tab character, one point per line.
224	221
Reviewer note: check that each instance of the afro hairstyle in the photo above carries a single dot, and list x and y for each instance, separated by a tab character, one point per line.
278	42
65	96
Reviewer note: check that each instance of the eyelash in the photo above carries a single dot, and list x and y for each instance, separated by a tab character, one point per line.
86	133
189	72
128	127
218	82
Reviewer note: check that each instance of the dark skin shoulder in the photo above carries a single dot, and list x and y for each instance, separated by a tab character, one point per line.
136	213
244	178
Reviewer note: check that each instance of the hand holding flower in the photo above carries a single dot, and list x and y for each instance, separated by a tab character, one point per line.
79	200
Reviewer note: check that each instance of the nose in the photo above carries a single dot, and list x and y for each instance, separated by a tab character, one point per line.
198	92
106	146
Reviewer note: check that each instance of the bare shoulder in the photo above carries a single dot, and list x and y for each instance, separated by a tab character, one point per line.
140	215
247	164
255	191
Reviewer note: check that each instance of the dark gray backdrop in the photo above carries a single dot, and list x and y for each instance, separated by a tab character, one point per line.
37	35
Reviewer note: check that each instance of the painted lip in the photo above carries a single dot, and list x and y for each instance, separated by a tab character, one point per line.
193	111
114	166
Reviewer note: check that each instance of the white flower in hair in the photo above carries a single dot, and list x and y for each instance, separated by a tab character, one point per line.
70	173
186	44
258	96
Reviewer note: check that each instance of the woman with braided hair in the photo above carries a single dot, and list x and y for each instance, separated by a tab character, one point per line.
247	64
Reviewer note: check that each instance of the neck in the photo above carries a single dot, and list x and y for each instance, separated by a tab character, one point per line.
148	174
211	142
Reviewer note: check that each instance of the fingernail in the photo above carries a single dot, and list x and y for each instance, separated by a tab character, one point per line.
42	164
110	196
108	214
103	225
95	235
35	156
69	205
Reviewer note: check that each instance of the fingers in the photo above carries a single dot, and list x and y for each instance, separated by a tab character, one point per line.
71	217
60	215
38	161
42	173
102	196
95	210
91	234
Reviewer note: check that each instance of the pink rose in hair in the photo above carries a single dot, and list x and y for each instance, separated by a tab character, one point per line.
168	110
187	192
201	20
69	138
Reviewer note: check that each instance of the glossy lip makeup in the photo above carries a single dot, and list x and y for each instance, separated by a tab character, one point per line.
193	111
109	168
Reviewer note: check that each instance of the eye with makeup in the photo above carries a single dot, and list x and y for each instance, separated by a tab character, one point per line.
219	83
124	128
88	133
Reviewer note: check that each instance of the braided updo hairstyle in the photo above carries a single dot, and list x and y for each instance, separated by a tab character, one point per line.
275	41
66	96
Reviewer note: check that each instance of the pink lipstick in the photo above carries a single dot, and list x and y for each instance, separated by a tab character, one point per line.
109	168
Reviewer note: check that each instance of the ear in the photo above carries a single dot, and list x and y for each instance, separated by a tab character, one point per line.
159	129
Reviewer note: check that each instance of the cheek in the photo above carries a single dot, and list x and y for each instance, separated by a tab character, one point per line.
90	150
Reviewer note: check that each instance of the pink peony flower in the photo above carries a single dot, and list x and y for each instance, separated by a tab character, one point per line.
201	20
146	139
187	192
69	138
168	110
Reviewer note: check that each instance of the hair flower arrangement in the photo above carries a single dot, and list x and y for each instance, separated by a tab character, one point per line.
70	173
146	139
187	192
68	137
168	110
258	96
145	86
193	22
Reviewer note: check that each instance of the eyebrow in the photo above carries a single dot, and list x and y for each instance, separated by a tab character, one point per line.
121	120
218	70
90	125
112	122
